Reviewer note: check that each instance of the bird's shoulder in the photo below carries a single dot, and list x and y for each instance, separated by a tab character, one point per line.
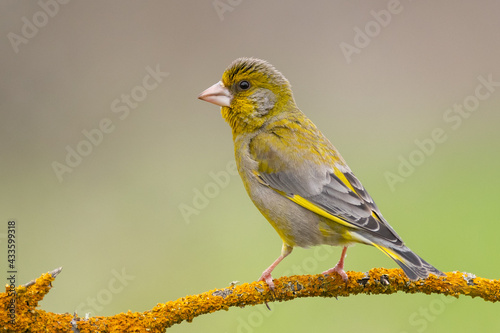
291	141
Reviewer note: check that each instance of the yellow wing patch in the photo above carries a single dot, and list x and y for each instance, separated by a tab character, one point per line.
389	252
313	208
309	205
340	175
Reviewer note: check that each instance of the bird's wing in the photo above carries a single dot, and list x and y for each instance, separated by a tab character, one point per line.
316	178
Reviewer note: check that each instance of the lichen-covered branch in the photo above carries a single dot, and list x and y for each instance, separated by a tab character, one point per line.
19	313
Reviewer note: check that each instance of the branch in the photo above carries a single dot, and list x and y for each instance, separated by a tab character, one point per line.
24	316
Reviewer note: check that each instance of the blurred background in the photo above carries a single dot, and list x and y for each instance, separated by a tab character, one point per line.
114	170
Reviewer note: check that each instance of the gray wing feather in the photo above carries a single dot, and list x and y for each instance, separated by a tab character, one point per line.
332	195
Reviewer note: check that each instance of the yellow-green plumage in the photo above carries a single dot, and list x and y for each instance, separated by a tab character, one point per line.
294	175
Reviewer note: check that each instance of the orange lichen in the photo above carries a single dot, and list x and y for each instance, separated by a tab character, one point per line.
162	316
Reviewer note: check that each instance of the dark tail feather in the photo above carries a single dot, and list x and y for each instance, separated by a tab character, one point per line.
413	266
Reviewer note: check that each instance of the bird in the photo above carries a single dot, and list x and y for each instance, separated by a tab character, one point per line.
295	176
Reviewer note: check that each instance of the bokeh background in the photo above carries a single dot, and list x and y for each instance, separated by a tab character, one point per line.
115	221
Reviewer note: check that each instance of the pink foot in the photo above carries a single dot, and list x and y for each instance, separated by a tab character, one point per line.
339	270
267	278
266	275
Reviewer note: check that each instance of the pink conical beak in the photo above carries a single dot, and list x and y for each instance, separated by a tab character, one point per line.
217	94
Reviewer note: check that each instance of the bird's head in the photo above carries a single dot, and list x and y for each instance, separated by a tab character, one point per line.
250	92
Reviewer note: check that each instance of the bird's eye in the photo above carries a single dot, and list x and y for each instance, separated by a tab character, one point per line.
244	85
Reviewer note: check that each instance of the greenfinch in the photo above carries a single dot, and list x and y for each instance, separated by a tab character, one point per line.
295	176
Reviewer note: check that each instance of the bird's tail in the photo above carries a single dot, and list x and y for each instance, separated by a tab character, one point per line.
413	266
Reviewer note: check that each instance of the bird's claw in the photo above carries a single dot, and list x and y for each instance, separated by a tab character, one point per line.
339	270
268	279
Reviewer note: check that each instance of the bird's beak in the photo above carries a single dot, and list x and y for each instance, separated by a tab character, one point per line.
217	94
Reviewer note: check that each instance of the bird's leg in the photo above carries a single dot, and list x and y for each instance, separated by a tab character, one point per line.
266	275
339	268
